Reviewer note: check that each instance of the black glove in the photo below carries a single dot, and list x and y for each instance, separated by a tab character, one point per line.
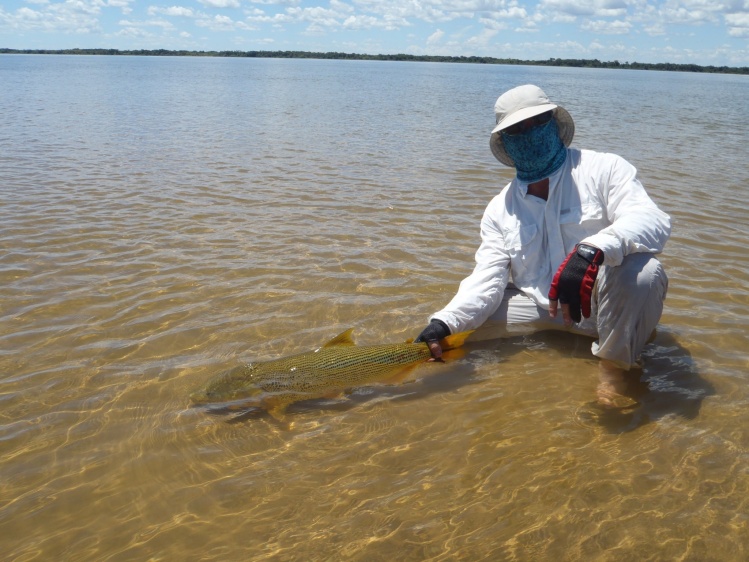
436	330
574	280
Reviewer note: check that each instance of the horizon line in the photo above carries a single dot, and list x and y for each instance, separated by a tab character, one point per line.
335	55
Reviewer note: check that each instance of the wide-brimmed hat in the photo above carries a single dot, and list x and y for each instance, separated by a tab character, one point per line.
519	104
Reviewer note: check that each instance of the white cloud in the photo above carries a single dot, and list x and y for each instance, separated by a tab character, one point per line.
738	24
496	19
360	22
342	7
220	3
692	12
337	16
149	23
322	17
616	27
435	37
655	29
739	20
558	18
175	11
491	23
482	40
64	17
365	22
429	11
593	8
124	5
134	32
258	16
222	23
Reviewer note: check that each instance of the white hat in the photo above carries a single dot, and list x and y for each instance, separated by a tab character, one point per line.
519	104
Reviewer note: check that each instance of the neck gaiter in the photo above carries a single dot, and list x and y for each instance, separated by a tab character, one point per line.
537	153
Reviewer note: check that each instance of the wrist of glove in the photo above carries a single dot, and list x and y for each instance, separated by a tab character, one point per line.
435	331
574	280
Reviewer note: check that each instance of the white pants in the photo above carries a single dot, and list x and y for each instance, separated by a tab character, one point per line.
626	307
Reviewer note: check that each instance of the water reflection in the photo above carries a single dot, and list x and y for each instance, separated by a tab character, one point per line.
674	383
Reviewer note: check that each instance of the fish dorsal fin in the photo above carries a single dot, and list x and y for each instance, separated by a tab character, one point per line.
343	338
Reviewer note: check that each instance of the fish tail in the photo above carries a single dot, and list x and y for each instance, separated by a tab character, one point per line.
454	341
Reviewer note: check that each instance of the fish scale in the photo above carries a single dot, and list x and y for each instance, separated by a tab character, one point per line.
344	364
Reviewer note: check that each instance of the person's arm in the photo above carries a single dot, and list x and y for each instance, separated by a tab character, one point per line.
637	224
480	293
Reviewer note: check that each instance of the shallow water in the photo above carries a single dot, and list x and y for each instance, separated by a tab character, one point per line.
163	219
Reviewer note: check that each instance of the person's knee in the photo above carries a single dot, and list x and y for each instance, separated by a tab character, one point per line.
639	277
630	303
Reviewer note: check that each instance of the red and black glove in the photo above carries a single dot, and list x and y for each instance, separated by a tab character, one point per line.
574	280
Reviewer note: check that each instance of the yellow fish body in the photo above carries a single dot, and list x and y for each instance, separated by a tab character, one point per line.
329	370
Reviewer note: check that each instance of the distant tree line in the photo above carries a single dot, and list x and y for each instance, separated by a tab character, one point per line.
577	63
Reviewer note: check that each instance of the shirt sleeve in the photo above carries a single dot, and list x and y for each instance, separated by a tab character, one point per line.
481	292
637	224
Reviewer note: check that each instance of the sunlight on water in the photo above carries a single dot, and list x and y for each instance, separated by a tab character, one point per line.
165	219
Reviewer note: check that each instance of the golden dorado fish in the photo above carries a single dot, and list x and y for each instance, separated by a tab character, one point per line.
338	365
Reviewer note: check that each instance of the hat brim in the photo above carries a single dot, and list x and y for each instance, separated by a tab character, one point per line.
523	114
565	125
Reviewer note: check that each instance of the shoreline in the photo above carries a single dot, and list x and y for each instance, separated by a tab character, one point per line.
573	63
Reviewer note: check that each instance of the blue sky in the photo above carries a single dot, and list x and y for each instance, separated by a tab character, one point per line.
682	31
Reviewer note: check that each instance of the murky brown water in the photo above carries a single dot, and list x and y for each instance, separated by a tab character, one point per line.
164	219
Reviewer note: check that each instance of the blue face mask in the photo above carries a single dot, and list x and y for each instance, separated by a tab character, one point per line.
537	153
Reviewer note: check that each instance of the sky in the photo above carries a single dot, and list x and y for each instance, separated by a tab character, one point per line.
700	32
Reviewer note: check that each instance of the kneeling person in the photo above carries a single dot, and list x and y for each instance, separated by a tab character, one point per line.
574	233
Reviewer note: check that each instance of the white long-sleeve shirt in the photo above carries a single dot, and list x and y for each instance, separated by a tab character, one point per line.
593	198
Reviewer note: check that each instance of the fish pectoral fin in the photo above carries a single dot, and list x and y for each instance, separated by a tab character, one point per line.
344	338
276	406
278	411
455	341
